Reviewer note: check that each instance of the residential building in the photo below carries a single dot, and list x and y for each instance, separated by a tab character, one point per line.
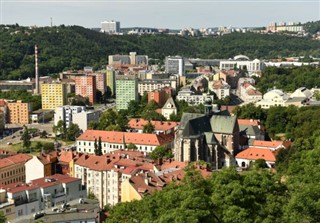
249	93
274	97
111	80
149	85
7	207
214	140
65	114
220	88
169	108
12	168
246	157
83	119
86	87
160	127
187	95
132	59
272	145
113	140
28	85
158	96
101	81
110	27
174	65
43	165
42	193
126	90
18	112
53	95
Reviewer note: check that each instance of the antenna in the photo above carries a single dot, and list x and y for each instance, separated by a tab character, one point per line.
51	21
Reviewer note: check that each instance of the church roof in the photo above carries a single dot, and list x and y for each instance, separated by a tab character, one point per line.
223	124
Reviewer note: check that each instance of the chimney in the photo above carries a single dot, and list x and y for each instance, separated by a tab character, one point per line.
37	90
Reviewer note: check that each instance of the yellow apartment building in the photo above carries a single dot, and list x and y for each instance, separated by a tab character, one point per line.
53	95
18	112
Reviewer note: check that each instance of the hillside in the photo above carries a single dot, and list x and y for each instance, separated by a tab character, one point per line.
74	47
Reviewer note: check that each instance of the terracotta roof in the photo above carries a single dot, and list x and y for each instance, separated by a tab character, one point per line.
15	159
99	163
54	179
18	187
66	156
268	144
173	164
252	122
158	125
257	153
3	103
126	137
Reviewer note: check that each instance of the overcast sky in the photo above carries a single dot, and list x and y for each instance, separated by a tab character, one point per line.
160	14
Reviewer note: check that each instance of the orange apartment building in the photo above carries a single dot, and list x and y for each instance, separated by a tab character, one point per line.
86	87
18	112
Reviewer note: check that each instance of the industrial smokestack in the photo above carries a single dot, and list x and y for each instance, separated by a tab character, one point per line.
37	90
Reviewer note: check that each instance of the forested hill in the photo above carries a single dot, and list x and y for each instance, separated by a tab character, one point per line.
74	47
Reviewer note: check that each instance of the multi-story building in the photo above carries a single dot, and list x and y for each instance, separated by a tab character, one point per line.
7	206
86	87
65	114
274	97
157	96
220	88
248	93
244	63
12	168
101	82
83	119
43	193
132	59
110	27
111	80
112	140
18	112
126	90
174	65
53	95
157	84
191	98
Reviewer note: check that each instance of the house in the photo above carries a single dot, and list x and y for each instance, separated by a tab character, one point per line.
244	158
160	127
272	145
274	97
169	108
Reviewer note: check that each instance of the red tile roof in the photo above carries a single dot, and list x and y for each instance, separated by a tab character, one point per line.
66	156
18	187
15	159
271	144
54	179
126	137
158	125
99	163
257	153
252	122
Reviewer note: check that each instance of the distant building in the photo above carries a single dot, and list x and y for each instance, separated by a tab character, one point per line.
149	85
111	80
244	63
274	97
53	95
126	90
169	108
158	96
132	59
160	127
27	85
18	112
174	65
86	87
83	119
101	81
187	95
110	27
220	88
65	114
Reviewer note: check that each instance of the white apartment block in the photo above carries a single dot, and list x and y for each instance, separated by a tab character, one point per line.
220	88
110	27
242	62
149	85
175	65
192	99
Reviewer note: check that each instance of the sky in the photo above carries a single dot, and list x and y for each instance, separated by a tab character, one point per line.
173	14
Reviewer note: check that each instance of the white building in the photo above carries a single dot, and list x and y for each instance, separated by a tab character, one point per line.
174	65
76	115
274	97
149	85
242	62
112	140
252	154
110	27
169	108
220	88
191	98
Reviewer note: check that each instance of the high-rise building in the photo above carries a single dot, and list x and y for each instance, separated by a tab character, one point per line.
111	80
18	112
53	95
86	87
110	27
101	82
126	90
132	58
174	65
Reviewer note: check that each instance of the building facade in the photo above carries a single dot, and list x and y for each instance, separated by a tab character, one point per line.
65	114
86	87
126	90
174	65
18	112
110	27
53	95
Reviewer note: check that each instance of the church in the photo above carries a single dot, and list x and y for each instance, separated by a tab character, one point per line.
212	137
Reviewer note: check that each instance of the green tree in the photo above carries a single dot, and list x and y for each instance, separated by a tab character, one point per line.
132	146
3	218
60	128
148	128
26	143
161	152
73	131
